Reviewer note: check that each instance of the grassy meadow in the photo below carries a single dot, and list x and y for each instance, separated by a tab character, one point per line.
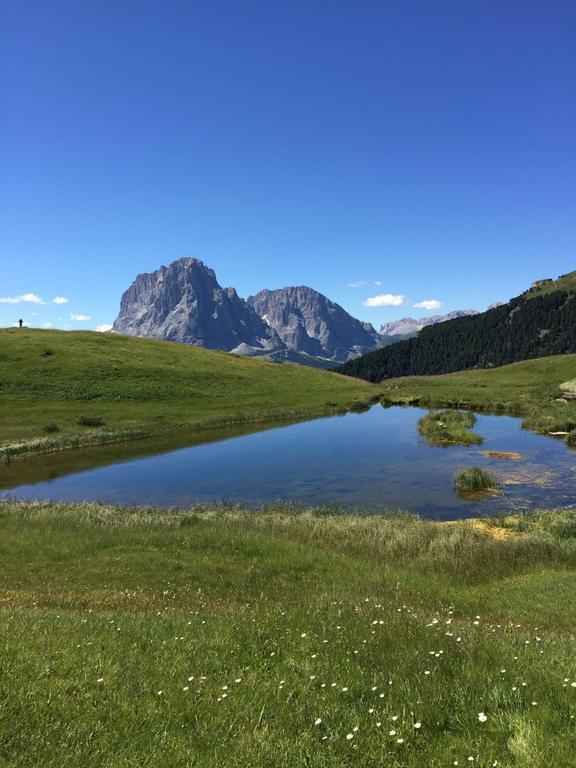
66	389
215	636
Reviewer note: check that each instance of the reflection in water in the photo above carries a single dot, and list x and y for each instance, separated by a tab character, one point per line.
374	460
49	466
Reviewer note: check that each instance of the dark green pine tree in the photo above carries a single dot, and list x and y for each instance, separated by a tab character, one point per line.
524	328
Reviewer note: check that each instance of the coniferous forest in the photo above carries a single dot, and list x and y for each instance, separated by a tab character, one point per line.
529	326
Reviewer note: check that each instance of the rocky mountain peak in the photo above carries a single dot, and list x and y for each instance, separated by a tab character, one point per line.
308	322
184	302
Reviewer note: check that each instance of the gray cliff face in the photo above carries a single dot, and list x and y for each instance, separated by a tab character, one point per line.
184	302
307	322
408	326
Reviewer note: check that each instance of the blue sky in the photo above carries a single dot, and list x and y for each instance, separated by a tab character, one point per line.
423	150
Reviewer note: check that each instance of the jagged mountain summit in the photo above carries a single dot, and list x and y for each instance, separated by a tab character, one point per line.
409	326
309	323
184	302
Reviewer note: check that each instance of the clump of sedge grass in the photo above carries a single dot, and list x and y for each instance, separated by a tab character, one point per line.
475	480
51	428
90	421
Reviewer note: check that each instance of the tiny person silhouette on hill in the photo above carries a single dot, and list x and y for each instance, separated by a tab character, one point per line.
20	323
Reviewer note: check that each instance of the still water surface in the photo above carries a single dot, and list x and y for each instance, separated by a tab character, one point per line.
375	459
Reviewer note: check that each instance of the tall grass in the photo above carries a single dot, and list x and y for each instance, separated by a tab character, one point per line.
475	480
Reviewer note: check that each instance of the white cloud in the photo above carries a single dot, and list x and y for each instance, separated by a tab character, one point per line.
385	300
104	327
428	304
60	300
46	325
26	298
377	282
74	316
357	284
31	298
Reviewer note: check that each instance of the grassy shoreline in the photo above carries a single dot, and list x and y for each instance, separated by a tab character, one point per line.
530	389
10	452
55	383
213	635
141	388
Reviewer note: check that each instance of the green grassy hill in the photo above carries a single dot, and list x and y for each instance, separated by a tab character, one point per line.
539	322
217	637
144	386
565	282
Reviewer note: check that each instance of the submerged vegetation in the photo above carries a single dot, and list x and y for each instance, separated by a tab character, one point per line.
508	455
475	480
449	428
215	636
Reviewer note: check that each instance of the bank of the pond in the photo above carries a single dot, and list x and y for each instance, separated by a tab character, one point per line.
531	389
101	437
377	458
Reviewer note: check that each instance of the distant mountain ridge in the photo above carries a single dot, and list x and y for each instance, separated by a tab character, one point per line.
408	326
539	322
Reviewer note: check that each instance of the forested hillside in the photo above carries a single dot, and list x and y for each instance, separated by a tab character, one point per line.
540	322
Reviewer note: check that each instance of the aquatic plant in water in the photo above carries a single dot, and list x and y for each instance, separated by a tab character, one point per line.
449	428
475	480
